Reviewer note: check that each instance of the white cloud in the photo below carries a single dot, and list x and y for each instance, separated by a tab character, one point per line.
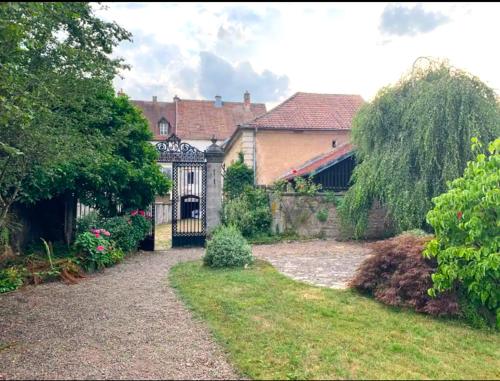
319	47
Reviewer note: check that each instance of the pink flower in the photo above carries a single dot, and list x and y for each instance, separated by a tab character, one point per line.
106	233
294	171
141	212
459	215
94	231
134	212
97	235
100	248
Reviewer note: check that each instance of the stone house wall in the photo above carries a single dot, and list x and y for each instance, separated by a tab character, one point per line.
300	214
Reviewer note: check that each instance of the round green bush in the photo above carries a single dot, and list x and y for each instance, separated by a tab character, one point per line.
227	248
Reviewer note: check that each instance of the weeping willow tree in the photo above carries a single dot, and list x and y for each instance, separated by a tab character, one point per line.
413	138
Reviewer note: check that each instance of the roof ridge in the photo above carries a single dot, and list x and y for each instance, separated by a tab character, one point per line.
196	100
162	102
335	94
272	110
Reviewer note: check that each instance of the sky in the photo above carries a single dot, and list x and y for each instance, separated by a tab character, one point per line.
199	50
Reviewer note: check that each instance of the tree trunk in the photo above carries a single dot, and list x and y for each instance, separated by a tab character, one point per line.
69	217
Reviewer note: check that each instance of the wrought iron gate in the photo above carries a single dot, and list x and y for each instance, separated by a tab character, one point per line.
189	193
189	203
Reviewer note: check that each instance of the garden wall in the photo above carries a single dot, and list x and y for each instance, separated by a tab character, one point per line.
314	216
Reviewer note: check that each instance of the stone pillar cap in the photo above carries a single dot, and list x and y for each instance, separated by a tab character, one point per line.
214	151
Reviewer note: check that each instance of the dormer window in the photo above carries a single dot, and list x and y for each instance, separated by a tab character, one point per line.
164	126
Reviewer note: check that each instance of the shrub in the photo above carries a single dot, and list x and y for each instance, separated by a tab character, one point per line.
88	222
11	279
466	222
322	215
237	177
141	225
227	248
127	231
121	232
249	212
398	275
94	250
332	198
306	186
116	255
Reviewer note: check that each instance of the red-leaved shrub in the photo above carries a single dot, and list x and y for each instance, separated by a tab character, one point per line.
398	275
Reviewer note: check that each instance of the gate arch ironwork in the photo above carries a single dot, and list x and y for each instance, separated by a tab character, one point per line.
189	180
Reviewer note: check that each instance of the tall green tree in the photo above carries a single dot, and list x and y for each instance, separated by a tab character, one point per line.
62	129
413	138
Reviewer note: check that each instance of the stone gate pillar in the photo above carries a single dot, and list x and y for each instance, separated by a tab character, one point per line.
215	157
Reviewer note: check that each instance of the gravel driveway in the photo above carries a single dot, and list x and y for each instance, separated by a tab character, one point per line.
125	323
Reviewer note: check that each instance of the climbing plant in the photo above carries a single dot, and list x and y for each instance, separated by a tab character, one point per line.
413	138
237	177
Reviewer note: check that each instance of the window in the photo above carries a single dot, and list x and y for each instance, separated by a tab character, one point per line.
164	126
334	143
190	177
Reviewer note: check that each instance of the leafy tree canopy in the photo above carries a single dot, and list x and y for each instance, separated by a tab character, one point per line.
413	138
61	126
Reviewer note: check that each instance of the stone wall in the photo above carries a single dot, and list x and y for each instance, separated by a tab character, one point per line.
300	214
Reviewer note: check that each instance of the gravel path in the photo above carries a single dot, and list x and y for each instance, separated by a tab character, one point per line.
125	323
326	263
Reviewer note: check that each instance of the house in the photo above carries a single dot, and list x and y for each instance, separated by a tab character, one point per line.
306	134
195	122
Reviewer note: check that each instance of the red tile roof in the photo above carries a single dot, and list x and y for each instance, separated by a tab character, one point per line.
311	111
195	119
321	162
154	111
202	120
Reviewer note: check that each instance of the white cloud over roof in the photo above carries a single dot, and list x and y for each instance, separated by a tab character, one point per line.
274	50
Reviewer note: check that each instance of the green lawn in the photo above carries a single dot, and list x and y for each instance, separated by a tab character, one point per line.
275	328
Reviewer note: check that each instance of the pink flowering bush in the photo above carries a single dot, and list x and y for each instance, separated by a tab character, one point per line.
104	241
94	250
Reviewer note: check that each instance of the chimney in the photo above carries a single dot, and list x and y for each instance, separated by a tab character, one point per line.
176	98
246	100
155	99
218	101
